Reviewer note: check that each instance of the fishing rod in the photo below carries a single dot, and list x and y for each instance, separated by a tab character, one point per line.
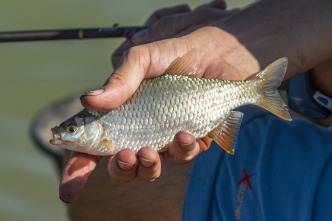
60	34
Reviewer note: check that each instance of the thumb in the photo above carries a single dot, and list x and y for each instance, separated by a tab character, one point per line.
121	84
139	63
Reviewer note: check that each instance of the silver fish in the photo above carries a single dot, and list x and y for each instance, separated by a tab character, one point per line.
176	101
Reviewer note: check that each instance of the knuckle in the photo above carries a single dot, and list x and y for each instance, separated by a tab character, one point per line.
117	76
184	152
171	10
158	14
148	176
140	54
183	159
122	177
167	22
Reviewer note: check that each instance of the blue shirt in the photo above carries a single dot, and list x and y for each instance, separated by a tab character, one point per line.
280	171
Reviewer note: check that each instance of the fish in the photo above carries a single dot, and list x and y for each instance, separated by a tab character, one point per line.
176	101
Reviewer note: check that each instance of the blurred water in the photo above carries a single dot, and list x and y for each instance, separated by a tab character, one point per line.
33	74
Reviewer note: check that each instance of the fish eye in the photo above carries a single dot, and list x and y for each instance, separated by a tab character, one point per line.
71	128
84	115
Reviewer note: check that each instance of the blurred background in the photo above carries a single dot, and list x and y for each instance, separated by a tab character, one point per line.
36	74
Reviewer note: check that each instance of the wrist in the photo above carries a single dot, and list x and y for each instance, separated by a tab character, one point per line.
321	78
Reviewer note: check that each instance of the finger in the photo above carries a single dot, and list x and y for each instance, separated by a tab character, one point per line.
183	148
165	12
149	166
219	4
123	166
204	143
122	83
163	24
75	175
176	23
164	28
203	16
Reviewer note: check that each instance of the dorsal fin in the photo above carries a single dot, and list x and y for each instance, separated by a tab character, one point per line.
185	65
225	135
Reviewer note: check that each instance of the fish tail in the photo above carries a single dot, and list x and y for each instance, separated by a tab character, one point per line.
269	80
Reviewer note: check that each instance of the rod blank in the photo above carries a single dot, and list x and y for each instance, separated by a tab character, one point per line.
42	35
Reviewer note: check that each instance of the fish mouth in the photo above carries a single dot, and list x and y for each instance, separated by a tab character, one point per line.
56	136
57	140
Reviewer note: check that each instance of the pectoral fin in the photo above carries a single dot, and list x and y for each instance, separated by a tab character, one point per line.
225	135
108	143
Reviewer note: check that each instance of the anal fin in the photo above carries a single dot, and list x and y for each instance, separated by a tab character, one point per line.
225	135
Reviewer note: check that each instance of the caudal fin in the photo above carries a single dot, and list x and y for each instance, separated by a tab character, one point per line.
270	79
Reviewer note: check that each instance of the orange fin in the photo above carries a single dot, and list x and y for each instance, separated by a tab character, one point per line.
270	79
225	135
185	65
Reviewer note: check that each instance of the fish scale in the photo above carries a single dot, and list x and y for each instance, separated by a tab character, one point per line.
163	106
149	122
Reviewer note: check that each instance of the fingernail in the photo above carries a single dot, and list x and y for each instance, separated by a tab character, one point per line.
63	200
146	163
185	146
96	92
125	166
139	36
187	140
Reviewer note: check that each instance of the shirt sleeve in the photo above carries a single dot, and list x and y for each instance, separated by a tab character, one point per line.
322	209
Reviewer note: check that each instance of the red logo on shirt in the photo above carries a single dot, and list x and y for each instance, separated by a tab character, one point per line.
245	178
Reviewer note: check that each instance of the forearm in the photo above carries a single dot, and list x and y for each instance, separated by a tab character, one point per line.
300	30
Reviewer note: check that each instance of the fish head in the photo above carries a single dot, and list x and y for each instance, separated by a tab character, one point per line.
78	133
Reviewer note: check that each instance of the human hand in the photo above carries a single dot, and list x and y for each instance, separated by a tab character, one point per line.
173	22
149	61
